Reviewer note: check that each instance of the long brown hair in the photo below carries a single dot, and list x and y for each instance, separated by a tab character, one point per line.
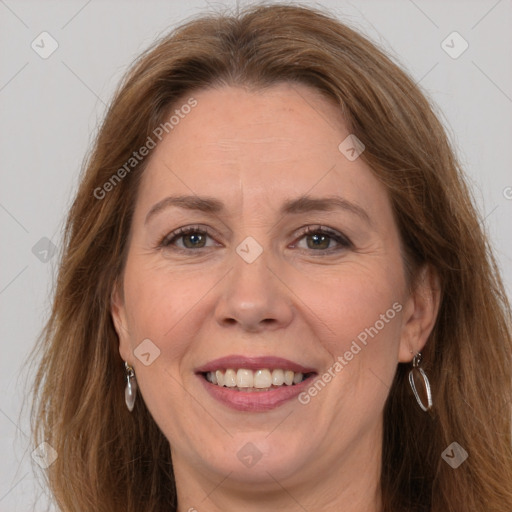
110	460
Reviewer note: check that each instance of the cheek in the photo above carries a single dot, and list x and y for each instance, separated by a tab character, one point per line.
161	298
351	302
164	307
170	306
360	317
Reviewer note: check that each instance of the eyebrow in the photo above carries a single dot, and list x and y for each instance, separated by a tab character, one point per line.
202	204
305	204
302	204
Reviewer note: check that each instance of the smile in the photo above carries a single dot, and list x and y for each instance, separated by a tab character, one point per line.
254	384
259	380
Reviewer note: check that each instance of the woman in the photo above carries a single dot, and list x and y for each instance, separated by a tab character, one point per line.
275	292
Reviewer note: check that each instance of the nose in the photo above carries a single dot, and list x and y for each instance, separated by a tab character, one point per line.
254	297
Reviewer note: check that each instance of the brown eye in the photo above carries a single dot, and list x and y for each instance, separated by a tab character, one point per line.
323	239
190	237
193	240
318	241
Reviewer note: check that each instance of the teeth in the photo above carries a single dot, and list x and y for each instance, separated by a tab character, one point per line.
211	377
230	379
277	377
288	377
244	378
260	379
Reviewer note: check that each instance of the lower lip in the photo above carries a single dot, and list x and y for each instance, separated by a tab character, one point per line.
255	401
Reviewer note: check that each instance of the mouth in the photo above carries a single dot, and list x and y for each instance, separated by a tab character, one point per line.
264	379
254	384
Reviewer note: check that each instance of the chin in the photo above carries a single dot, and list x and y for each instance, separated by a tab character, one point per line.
261	459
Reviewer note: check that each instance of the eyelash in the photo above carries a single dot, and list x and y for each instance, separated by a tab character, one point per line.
343	241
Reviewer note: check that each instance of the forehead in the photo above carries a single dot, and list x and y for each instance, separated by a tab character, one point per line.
263	144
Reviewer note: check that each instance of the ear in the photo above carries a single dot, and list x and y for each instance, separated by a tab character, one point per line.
420	313
118	312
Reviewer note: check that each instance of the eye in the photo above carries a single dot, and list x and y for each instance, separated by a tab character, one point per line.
318	239
192	237
321	239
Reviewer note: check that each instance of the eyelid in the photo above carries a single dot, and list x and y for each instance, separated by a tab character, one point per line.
342	240
185	230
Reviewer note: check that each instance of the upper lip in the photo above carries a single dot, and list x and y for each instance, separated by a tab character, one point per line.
253	363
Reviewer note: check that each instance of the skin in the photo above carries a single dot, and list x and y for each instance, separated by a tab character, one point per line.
252	150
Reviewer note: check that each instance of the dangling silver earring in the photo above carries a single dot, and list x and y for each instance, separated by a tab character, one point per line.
130	392
416	366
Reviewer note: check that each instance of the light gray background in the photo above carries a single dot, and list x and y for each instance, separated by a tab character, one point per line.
50	109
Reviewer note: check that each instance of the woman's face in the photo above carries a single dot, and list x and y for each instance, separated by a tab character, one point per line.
254	170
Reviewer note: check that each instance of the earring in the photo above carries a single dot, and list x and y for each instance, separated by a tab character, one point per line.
130	392
416	366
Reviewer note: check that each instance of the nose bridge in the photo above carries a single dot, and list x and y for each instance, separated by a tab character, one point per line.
251	274
252	296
